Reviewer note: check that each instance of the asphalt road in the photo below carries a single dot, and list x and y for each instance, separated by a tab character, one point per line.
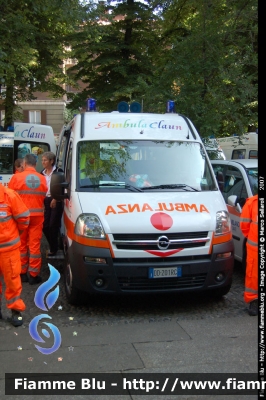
109	310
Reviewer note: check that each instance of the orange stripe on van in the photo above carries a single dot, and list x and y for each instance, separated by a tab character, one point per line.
222	238
233	211
103	243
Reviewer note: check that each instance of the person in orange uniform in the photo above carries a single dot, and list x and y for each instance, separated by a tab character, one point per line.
249	228
14	218
32	188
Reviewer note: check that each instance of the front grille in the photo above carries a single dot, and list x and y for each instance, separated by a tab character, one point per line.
143	283
150	241
154	236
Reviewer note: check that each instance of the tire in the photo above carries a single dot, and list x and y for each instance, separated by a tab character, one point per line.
74	296
219	292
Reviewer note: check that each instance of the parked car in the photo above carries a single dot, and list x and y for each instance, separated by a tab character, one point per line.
240	181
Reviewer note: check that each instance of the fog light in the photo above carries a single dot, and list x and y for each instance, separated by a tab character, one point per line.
224	255
95	260
99	282
219	277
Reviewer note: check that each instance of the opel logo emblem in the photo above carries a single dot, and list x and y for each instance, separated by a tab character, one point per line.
163	243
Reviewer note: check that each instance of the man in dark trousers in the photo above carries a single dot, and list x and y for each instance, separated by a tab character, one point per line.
53	209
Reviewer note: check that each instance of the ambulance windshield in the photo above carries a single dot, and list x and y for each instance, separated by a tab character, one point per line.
145	165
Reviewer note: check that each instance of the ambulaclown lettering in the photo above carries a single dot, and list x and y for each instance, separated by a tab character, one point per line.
129	208
138	124
29	133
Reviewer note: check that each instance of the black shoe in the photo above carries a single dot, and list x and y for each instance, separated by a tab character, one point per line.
16	318
33	280
0	315
253	308
24	278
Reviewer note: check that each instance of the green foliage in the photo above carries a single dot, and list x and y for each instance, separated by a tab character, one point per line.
32	49
210	67
115	53
202	54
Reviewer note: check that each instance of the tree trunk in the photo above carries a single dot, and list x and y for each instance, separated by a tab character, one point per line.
9	106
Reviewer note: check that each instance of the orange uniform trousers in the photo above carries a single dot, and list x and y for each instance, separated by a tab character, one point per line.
251	278
30	248
10	268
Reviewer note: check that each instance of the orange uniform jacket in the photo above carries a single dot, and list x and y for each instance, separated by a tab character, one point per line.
32	188
14	217
249	228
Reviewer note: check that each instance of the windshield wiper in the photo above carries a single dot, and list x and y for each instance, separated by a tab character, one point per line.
113	184
172	186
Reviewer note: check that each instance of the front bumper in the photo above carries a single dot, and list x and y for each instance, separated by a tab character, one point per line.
130	275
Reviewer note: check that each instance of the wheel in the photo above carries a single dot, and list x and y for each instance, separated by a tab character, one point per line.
219	292
74	296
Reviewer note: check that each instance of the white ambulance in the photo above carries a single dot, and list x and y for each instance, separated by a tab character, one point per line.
142	209
26	138
240	147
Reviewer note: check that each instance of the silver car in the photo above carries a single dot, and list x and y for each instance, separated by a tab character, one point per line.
238	180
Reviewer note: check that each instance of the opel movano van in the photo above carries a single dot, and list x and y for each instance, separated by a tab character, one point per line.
142	209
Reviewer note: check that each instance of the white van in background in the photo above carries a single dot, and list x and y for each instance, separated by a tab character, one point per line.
239	147
26	138
213	149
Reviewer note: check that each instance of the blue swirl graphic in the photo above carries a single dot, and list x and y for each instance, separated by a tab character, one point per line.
45	287
35	335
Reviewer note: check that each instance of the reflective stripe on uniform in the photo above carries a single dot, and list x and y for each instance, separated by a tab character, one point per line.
35	256
249	290
31	192
245	219
7	244
24	214
10	301
24	267
6	218
252	243
32	269
36	210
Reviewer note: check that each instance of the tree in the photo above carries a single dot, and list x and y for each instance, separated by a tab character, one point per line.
34	35
114	52
210	65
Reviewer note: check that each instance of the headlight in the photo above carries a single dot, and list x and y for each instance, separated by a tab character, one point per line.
89	225
223	223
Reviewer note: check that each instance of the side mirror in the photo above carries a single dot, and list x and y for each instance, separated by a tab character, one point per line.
220	180
58	186
234	202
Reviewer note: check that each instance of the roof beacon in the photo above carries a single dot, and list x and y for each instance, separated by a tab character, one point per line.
170	106
91	105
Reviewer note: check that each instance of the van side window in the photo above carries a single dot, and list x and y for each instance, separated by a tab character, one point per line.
6	156
239	154
234	184
69	165
61	151
253	154
36	148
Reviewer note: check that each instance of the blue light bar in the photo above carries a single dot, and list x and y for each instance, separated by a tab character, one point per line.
91	105
170	106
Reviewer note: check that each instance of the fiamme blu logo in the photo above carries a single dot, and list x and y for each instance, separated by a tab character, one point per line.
45	297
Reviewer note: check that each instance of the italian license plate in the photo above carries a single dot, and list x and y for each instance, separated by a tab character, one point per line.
171	272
